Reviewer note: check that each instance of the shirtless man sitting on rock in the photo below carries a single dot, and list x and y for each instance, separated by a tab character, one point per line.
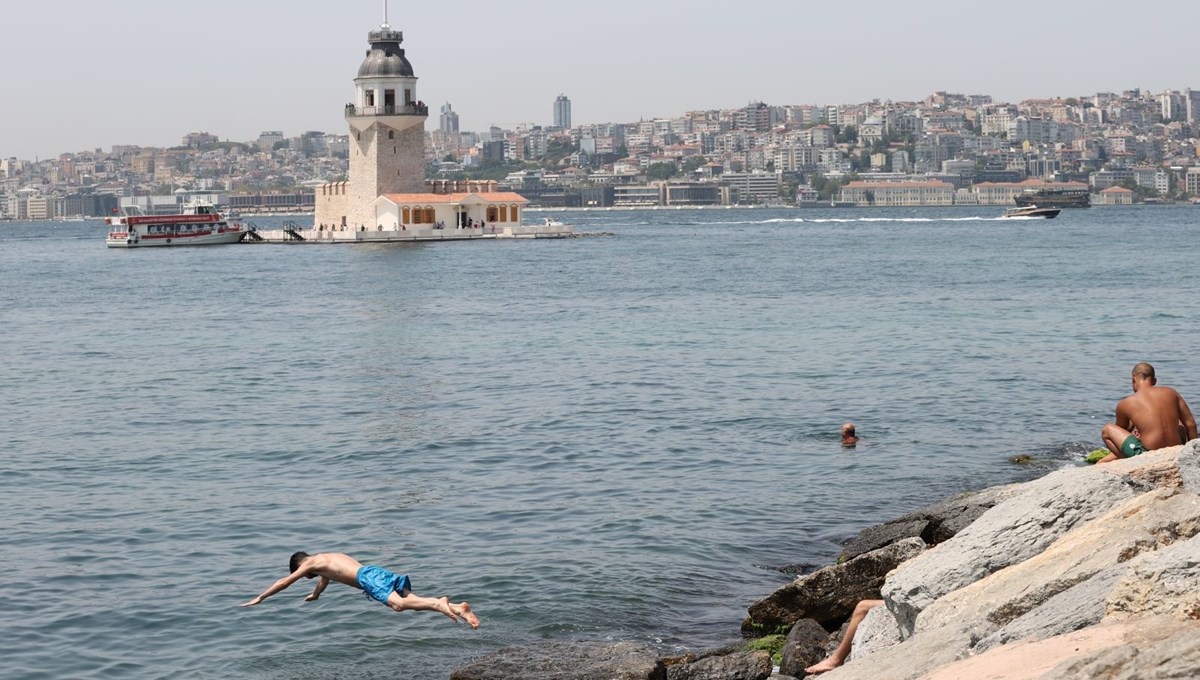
1158	415
376	582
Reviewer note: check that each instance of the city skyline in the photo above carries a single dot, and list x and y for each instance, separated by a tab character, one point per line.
83	75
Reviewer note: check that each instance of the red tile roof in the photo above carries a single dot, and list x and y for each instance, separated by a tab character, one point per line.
490	196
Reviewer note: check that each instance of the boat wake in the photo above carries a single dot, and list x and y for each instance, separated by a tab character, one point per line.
822	220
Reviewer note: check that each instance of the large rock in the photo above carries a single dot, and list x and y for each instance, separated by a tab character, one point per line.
1188	461
830	594
1165	583
1141	524
910	659
934	655
934	523
1073	609
1160	468
570	660
755	665
1033	660
807	643
1011	532
881	535
1154	648
878	630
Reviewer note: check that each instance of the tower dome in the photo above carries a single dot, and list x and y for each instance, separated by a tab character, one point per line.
385	58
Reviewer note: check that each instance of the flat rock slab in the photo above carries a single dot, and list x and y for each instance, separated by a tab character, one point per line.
569	660
1142	524
1145	649
1156	649
1011	532
1073	609
1167	582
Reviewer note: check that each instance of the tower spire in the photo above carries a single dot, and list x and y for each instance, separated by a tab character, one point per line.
385	15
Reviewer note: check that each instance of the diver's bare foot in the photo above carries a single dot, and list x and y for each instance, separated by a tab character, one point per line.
445	607
464	610
822	667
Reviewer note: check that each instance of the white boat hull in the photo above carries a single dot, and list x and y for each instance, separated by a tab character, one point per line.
132	239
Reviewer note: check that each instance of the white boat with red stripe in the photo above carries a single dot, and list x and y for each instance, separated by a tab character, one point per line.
197	225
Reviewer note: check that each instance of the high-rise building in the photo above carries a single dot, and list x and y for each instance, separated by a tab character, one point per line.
562	112
449	119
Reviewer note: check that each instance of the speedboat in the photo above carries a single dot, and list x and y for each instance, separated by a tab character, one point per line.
1032	211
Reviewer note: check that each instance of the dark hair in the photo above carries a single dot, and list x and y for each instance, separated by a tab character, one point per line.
294	562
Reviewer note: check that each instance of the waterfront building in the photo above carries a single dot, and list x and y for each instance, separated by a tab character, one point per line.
1191	181
562	112
1115	196
898	194
753	187
632	195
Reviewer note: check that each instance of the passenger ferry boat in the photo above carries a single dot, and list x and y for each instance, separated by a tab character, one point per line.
197	225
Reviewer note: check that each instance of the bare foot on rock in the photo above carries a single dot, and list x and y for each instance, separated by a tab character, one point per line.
822	667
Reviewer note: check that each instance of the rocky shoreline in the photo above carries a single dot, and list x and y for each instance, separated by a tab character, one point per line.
1086	572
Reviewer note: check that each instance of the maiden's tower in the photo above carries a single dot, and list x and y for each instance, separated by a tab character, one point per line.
387	196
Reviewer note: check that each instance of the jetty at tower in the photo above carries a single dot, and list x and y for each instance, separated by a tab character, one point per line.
387	196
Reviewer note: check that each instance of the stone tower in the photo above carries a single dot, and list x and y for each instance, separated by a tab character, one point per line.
387	136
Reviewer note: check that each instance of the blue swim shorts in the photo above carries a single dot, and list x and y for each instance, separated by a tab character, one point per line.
378	583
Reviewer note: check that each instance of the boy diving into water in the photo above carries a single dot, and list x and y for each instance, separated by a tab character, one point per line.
378	584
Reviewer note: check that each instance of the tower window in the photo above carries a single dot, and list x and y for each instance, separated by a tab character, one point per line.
391	134
369	98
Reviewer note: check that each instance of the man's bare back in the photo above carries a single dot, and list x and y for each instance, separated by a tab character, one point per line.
1153	417
338	567
1157	413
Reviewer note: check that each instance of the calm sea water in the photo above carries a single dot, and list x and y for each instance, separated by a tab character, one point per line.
608	437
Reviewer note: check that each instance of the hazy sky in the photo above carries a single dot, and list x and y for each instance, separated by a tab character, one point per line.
80	75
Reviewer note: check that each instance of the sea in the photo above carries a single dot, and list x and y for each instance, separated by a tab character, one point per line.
622	437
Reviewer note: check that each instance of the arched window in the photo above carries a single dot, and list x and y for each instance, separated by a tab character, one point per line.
405	215
491	213
512	213
504	213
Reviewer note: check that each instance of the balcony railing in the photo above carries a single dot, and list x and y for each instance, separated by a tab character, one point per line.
417	109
